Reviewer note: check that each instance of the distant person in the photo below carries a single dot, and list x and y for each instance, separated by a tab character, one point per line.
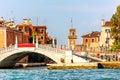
85	55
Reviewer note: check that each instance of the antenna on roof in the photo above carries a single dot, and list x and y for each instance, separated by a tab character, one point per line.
44	22
12	17
103	17
71	23
37	21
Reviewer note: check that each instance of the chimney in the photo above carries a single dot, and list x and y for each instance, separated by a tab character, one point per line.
102	22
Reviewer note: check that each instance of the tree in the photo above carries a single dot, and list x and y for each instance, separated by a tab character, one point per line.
115	26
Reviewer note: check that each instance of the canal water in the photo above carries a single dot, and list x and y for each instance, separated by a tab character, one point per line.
38	73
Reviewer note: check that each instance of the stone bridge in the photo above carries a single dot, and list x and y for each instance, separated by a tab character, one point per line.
11	55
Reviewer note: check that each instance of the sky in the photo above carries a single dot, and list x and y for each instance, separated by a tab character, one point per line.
56	15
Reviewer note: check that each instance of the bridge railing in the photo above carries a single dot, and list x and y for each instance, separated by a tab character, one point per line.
50	48
10	48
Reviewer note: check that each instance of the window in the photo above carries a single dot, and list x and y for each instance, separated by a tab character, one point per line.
72	33
98	39
42	31
38	39
107	30
38	30
42	38
27	29
92	40
86	40
20	28
107	40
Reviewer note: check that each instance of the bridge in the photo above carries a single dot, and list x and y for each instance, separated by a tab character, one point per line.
11	55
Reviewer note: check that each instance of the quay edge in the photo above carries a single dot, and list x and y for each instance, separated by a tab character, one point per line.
93	65
73	66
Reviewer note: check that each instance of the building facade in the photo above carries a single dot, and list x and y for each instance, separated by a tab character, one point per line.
106	40
25	32
2	37
11	37
91	41
8	37
31	32
41	33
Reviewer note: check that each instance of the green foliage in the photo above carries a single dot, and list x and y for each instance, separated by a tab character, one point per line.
115	27
118	10
115	48
34	33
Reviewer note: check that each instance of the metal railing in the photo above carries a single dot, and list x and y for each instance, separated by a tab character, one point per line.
89	57
8	49
50	48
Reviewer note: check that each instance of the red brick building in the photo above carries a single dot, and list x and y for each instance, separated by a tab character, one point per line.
41	33
30	32
8	35
25	33
11	35
33	31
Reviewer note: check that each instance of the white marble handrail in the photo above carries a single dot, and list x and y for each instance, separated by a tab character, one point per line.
10	48
50	48
45	47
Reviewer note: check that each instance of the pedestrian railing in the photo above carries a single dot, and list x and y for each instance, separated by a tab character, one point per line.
45	47
8	49
50	48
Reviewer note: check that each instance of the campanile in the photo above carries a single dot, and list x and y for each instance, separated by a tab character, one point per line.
72	37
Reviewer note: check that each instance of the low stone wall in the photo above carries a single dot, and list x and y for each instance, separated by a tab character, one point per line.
95	65
73	66
109	65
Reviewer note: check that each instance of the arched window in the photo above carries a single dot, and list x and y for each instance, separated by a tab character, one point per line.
42	37
86	40
26	29
20	28
92	40
42	31
72	33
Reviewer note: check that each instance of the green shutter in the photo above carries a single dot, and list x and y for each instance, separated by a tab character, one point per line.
107	30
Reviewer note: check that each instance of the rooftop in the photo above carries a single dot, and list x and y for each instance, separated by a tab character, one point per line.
107	24
92	34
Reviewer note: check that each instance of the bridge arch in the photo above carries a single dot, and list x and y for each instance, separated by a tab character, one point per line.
9	59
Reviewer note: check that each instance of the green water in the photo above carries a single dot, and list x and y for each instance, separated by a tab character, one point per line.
71	74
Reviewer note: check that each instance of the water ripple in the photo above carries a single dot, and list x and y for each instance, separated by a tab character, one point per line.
44	74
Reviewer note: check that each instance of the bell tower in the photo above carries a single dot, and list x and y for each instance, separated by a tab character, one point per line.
72	37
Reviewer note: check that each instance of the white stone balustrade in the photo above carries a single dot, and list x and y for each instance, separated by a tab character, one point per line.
49	48
10	48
